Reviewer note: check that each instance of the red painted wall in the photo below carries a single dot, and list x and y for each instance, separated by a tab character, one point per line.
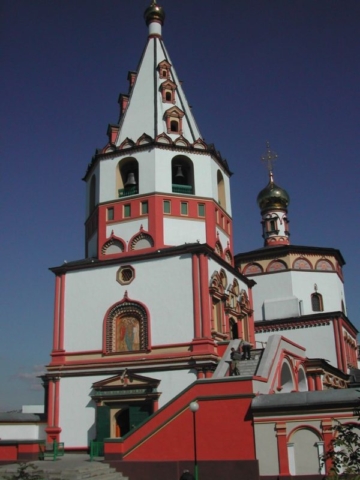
223	426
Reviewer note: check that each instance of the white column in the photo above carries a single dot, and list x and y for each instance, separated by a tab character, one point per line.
320	447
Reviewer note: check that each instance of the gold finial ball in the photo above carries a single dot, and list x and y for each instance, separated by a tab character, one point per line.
154	12
273	196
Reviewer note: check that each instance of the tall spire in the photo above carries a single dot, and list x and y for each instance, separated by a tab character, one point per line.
269	158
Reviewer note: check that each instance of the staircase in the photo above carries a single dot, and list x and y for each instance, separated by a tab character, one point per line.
247	367
62	470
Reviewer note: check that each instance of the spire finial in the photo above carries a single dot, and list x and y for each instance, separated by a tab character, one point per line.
154	13
269	158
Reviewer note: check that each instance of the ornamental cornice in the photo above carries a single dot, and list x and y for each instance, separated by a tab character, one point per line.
291	325
110	150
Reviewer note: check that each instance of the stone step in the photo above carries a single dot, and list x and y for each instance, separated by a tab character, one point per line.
92	471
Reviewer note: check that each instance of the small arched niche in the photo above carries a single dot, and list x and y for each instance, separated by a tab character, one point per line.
182	175
127	177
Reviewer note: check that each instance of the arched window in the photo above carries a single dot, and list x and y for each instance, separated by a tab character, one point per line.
92	193
221	190
126	327
218	248
142	240
252	268
317	302
167	89
307	448
127	177
173	117
233	329
302	264
276	265
324	265
286	378
112	246
182	175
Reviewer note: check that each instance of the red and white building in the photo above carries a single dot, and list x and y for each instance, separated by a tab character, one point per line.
144	324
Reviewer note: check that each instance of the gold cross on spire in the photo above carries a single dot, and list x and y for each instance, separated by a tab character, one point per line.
269	158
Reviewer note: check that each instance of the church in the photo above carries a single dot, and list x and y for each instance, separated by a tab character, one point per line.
144	324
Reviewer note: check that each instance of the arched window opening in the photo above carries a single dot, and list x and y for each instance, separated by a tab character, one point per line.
302	382
182	173
276	265
127	177
217	315
302	264
92	194
141	241
221	189
234	334
173	117
126	328
112	247
317	302
286	378
252	268
306	452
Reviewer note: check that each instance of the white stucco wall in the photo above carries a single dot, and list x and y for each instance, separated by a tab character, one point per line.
319	341
22	432
127	229
77	409
164	286
279	287
178	231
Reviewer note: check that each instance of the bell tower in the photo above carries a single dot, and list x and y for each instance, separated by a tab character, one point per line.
156	183
273	202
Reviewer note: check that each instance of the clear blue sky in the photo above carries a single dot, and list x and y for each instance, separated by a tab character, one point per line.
279	70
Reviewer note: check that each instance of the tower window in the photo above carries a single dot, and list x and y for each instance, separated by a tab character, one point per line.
173	117
127	210
317	302
174	126
168	96
201	210
184	208
110	213
167	206
144	208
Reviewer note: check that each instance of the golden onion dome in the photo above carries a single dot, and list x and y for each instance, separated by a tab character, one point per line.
154	12
273	196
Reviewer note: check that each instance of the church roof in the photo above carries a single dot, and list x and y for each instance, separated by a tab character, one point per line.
146	110
281	250
332	398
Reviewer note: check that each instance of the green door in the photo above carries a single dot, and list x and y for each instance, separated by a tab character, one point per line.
102	423
138	414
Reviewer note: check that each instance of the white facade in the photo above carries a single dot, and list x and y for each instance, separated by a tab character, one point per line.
77	407
278	295
319	341
90	293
